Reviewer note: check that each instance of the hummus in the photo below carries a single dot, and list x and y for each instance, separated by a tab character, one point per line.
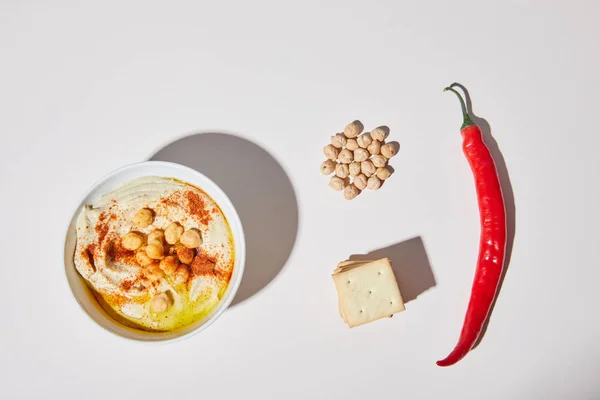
117	278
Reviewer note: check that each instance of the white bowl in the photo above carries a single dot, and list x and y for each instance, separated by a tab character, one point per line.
83	294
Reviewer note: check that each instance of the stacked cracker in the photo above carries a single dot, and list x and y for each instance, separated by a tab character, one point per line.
367	291
358	161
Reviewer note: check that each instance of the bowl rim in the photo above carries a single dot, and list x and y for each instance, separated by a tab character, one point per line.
233	219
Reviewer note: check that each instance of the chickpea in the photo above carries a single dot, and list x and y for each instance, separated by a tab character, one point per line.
379	133
184	254
155	250
173	233
364	140
367	168
143	218
337	183
388	150
342	170
350	192
181	275
345	156
354	168
338	141
143	259
153	272
169	264
353	129
379	160
383	173
327	167
191	239
360	181
160	303
156	235
352	144
132	241
373	183
331	152
360	155
374	148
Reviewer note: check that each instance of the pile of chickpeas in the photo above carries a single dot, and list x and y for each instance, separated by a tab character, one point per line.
161	253
358	161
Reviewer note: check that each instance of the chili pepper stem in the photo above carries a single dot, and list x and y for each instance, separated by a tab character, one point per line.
466	119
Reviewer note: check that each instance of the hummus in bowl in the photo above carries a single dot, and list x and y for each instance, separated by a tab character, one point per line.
155	251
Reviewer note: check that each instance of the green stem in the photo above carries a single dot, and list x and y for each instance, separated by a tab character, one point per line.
466	119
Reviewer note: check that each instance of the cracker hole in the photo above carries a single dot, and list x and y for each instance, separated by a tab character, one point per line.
370	292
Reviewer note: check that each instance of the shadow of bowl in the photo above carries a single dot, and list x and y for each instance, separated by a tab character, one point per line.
259	189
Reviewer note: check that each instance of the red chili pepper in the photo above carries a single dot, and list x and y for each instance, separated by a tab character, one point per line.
492	244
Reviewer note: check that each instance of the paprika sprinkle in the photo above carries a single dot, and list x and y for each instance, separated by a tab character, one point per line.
492	245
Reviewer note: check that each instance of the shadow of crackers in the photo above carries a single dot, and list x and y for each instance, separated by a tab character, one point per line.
410	264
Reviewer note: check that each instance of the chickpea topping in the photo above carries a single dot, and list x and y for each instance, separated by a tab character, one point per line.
374	148
388	150
360	181
352	144
379	161
373	183
354	168
342	170
357	160
350	192
353	129
338	141
191	238
143	259
181	275
327	167
379	134
153	272
336	183
184	254
156	235
143	218
367	168
331	152
361	155
346	156
173	232
364	140
155	250
169	264
132	241
160	303
383	173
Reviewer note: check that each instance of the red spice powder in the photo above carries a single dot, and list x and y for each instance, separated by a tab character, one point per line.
127	284
89	253
192	204
92	249
201	266
101	227
197	207
117	253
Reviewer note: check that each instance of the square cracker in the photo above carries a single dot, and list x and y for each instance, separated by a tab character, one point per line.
346	265
367	291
